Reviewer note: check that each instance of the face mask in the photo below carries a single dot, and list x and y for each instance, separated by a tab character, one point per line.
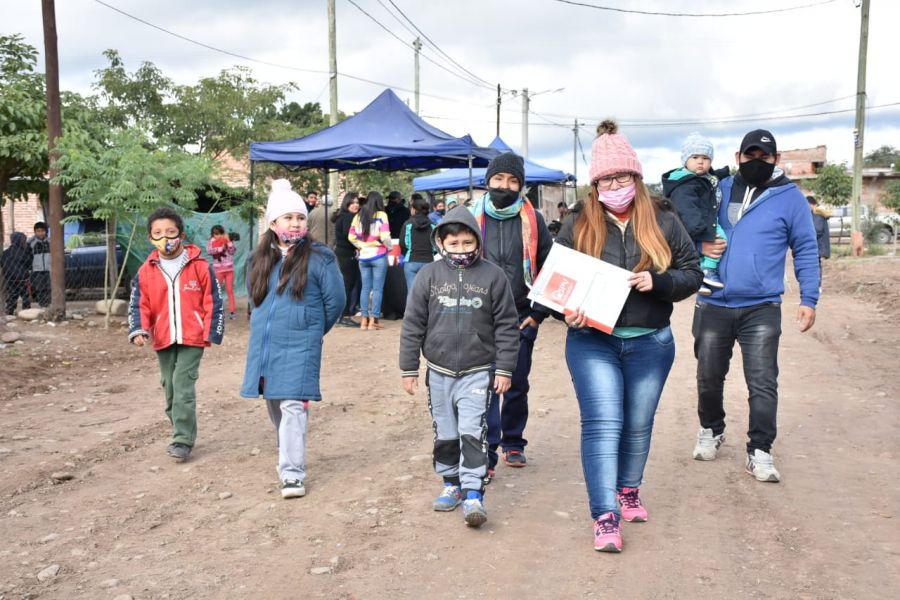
460	260
166	245
617	200
290	237
501	197
440	211
756	172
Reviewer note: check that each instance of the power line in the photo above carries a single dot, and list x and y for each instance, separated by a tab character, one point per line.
402	41
434	45
673	14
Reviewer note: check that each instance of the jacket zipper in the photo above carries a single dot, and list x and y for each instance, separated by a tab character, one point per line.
458	332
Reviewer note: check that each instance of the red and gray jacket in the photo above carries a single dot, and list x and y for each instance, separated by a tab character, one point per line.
186	310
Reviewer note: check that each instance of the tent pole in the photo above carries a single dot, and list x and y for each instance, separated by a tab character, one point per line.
252	201
471	193
325	200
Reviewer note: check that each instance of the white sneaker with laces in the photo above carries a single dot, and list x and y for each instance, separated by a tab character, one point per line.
707	445
762	466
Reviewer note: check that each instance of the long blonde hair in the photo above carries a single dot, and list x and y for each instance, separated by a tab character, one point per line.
590	229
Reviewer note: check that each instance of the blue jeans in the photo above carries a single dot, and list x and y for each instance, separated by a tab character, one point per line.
506	424
409	271
618	383
372	274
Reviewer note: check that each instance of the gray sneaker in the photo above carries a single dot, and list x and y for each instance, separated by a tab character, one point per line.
180	452
762	466
707	445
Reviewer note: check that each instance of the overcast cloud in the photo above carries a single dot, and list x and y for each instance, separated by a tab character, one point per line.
632	67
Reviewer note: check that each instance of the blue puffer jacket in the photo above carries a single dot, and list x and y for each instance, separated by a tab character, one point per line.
285	346
752	267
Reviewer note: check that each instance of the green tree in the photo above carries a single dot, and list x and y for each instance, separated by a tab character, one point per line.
23	120
122	178
832	185
891	197
883	157
126	99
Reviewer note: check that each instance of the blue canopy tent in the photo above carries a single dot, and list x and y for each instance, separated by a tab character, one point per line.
457	179
386	135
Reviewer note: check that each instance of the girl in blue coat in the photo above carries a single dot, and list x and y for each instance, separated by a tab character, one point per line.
297	295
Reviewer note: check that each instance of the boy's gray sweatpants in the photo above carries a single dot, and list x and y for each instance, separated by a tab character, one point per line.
290	419
459	414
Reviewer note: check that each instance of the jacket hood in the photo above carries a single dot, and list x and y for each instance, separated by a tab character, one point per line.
463	216
17	238
420	221
669	183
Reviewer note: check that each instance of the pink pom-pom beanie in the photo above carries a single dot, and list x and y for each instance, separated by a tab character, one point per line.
611	153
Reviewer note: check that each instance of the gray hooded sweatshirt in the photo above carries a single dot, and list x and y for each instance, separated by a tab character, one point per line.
462	320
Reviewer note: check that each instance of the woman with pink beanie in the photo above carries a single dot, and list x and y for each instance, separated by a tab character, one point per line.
619	377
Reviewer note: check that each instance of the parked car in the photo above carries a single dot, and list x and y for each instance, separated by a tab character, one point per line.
879	227
86	256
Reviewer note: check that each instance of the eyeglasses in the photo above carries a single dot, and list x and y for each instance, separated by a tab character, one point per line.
621	178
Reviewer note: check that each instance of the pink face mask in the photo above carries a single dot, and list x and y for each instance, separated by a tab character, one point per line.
617	200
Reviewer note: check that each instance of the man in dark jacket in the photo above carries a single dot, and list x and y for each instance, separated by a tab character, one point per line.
823	239
16	265
40	266
397	213
517	240
763	214
462	317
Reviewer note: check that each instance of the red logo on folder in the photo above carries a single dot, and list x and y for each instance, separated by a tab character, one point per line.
559	288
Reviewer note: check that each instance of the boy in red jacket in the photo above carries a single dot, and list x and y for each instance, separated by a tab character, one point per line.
176	305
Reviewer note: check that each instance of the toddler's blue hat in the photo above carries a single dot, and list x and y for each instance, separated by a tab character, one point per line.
693	144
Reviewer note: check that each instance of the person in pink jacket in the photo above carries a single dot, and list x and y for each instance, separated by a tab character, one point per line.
221	250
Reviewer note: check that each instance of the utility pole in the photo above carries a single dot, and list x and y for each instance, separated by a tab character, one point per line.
333	100
575	152
525	122
856	235
498	110
57	310
417	44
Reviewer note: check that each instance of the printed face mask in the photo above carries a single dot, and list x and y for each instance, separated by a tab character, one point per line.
617	200
290	237
460	260
502	197
166	245
756	172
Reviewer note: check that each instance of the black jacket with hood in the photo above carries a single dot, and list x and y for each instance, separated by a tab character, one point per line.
419	229
694	196
683	277
17	259
461	320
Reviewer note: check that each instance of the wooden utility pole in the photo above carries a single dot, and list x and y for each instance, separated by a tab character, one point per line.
575	152
525	123
498	110
57	310
856	235
333	100
417	45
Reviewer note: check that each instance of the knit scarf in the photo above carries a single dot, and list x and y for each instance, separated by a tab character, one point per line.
524	208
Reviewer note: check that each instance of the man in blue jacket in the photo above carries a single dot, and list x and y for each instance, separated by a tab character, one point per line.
763	214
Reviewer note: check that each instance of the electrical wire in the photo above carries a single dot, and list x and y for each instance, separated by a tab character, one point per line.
692	15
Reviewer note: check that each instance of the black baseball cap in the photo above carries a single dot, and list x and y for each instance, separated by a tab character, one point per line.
759	138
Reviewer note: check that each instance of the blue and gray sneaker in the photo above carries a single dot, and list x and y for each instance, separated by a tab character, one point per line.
449	499
473	510
711	279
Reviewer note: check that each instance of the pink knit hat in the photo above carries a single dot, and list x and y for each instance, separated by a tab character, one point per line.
611	153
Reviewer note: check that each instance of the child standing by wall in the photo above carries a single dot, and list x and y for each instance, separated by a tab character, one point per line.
176	305
694	190
462	316
297	296
221	249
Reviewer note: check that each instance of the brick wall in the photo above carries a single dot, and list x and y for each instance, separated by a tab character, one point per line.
802	162
26	214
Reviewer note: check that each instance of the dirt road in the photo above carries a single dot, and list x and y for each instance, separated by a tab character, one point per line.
76	399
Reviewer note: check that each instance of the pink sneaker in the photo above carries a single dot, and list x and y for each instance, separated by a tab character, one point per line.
632	509
607	535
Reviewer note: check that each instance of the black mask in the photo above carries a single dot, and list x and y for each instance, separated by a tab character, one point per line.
501	197
756	172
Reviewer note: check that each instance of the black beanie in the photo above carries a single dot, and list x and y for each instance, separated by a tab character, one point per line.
507	162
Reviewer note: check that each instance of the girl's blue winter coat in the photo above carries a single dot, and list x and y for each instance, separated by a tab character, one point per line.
286	335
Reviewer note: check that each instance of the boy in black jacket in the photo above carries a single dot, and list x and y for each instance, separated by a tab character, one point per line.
694	189
461	315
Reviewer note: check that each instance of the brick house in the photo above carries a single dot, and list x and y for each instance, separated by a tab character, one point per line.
21	216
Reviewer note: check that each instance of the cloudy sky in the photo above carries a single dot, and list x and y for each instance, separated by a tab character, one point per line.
651	72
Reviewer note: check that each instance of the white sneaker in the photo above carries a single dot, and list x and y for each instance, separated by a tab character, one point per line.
761	465
707	444
292	488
